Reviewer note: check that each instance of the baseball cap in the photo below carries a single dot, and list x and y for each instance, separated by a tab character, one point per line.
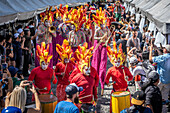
133	60
20	30
72	89
138	98
16	35
153	76
13	70
167	47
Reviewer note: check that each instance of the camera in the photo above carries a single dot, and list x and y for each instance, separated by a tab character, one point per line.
30	84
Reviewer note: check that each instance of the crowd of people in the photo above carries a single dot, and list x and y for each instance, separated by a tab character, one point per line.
70	47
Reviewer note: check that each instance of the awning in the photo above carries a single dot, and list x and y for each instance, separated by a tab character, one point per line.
134	2
160	15
12	10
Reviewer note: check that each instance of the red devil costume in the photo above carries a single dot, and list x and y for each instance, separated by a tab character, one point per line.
85	75
120	74
117	72
63	69
43	77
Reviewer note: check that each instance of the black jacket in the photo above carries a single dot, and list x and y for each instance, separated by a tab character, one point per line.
154	98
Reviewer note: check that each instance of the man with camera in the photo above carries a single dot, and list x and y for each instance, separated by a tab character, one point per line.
163	70
6	85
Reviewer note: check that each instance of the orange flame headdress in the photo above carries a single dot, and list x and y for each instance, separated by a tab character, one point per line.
115	54
64	51
83	55
77	17
42	53
48	14
62	12
100	17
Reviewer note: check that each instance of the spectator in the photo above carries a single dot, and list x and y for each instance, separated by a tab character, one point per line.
32	30
153	93
138	100
118	32
6	85
17	99
9	50
21	32
139	34
67	106
123	41
18	46
2	47
27	52
14	74
163	69
133	41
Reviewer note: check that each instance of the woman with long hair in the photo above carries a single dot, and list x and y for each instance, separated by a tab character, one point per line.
16	100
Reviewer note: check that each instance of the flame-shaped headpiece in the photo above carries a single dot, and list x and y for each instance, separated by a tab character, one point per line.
83	55
42	53
48	14
100	17
64	51
116	54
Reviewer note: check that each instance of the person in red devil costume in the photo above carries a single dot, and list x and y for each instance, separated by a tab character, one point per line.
63	69
119	73
85	75
43	75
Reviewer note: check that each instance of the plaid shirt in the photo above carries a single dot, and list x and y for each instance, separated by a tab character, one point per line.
99	32
42	37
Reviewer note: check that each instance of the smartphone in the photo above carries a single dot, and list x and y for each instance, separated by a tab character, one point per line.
3	59
4	67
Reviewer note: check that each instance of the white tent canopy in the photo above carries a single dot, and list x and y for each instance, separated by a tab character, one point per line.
12	10
157	11
160	38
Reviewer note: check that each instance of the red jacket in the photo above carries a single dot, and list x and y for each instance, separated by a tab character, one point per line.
60	68
92	69
42	78
89	85
118	76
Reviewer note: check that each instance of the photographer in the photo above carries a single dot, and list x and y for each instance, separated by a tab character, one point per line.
163	70
6	85
15	101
